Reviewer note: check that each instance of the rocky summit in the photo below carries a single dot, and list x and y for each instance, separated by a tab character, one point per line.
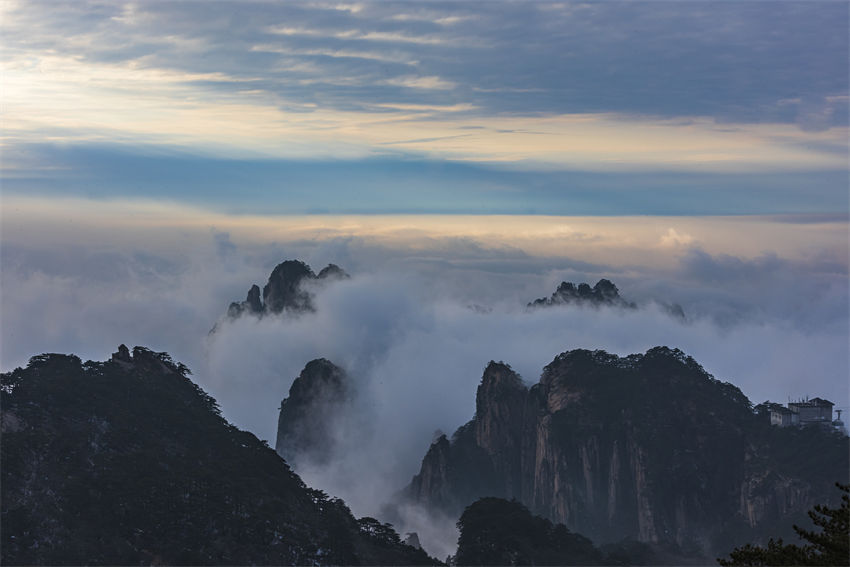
308	415
285	291
647	447
603	293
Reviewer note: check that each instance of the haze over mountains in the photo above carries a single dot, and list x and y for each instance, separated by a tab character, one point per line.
648	455
176	175
403	332
329	418
127	461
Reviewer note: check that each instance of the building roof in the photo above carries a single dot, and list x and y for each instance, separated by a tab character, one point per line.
813	403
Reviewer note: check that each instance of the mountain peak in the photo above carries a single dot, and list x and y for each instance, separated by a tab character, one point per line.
125	462
285	290
307	421
603	293
648	446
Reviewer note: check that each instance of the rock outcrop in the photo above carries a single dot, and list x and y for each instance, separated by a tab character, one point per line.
603	293
308	416
646	447
286	290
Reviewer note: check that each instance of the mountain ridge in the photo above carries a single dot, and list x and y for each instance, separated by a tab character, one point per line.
649	447
128	461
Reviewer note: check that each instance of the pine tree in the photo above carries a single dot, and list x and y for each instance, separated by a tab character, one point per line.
830	546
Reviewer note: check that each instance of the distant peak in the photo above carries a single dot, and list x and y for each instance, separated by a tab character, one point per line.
284	291
332	271
603	293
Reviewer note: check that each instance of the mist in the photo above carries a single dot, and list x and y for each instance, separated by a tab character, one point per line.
414	328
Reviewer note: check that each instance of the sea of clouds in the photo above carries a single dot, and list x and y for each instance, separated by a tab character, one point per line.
414	329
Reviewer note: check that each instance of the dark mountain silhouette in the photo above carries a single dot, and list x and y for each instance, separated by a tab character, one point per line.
285	290
308	415
495	531
129	462
604	293
647	447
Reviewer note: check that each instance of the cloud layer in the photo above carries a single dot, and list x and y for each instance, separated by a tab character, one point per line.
759	62
426	310
560	108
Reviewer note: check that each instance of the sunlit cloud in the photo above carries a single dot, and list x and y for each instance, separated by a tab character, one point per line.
414	82
70	98
353	80
643	240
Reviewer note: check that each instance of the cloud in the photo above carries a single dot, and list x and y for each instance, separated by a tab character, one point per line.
429	305
414	82
673	239
416	358
76	67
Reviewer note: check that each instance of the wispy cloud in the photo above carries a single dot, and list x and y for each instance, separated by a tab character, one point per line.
417	82
359	35
341	53
747	89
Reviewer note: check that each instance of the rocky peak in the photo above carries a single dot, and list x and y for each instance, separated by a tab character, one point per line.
123	354
253	299
320	381
498	402
332	271
499	407
648	446
603	293
306	426
285	290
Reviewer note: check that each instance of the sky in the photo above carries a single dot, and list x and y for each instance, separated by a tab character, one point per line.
438	108
459	159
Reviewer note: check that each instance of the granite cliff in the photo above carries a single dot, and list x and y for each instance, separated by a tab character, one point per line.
308	416
646	447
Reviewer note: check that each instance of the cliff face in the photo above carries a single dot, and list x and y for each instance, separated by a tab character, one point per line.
306	424
648	447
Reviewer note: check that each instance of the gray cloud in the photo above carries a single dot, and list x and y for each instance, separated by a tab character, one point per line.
751	62
416	354
404	330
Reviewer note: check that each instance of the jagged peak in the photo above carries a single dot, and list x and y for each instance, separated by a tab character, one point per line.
604	292
318	374
671	365
602	357
500	375
284	291
289	268
147	359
